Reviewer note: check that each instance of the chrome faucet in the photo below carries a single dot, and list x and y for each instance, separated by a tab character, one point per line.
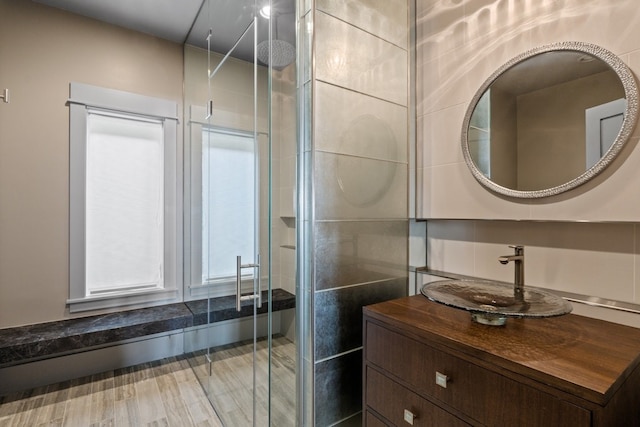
518	260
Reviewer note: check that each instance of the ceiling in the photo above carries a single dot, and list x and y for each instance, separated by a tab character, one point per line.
189	21
550	69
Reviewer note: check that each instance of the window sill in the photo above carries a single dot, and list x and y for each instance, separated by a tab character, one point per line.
121	299
221	288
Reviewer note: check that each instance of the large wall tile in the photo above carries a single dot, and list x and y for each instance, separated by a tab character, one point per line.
423	193
490	20
442	135
611	196
453	78
305	323
386	19
454	193
348	187
450	246
424	150
440	27
359	191
610	23
349	57
351	252
616	316
442	83
417	244
582	258
423	134
338	319
494	33
589	259
352	123
338	388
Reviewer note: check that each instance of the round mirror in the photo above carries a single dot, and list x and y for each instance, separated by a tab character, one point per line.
549	120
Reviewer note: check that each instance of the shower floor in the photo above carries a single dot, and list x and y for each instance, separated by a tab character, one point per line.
231	382
161	393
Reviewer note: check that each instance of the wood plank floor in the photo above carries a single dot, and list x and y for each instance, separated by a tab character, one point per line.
164	393
231	382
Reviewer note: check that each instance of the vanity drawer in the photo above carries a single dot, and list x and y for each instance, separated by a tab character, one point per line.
483	395
372	421
391	400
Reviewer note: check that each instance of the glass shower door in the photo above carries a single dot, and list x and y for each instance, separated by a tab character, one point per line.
229	215
236	236
240	151
238	379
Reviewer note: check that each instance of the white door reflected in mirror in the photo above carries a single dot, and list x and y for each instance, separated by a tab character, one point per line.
603	123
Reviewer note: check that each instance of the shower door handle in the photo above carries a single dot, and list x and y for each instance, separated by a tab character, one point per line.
254	296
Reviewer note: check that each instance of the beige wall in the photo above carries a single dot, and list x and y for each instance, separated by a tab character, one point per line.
459	45
41	51
551	135
231	90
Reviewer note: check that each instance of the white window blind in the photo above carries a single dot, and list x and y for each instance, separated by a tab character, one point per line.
124	203
228	202
124	198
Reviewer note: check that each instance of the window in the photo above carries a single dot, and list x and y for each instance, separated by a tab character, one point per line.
228	202
123	185
222	199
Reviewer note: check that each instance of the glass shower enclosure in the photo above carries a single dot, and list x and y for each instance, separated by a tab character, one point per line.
239	160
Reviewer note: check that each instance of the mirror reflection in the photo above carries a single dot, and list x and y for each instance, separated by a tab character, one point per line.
546	120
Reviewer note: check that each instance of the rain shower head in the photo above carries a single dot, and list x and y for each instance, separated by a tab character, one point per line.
282	53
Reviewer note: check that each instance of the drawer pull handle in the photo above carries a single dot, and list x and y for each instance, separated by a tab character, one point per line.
409	416
442	379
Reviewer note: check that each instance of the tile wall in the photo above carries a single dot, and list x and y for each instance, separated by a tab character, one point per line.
357	164
459	44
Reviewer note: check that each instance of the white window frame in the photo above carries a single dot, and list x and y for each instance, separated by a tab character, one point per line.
83	99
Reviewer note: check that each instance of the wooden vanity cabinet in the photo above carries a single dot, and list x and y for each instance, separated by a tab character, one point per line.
426	364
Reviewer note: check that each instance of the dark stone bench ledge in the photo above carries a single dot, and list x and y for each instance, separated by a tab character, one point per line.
224	308
39	341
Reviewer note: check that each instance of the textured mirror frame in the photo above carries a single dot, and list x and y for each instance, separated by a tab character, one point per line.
631	113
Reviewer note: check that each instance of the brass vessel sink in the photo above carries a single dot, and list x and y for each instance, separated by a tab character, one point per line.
491	303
